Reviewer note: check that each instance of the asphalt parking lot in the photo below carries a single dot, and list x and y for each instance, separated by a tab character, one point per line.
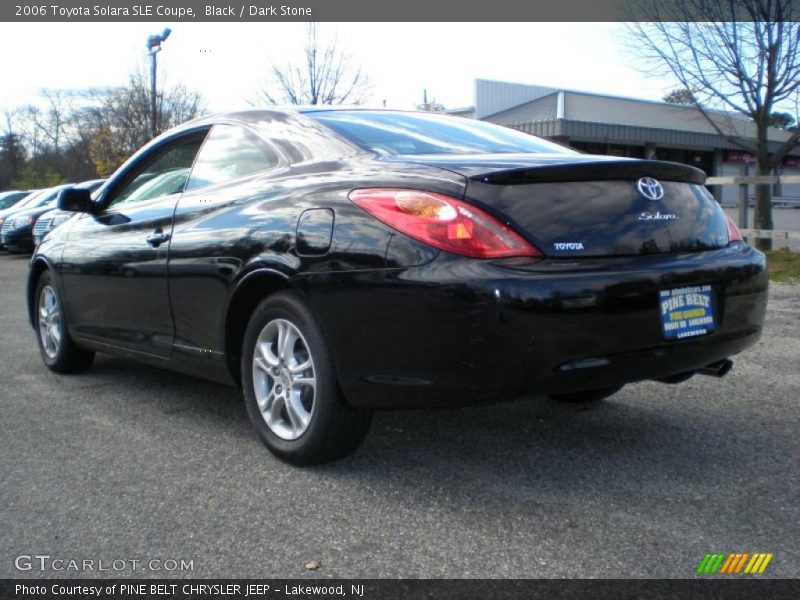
131	462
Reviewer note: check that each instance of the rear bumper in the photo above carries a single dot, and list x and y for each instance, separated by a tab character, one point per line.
459	331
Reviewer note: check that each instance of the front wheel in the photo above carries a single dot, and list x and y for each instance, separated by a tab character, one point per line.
291	389
57	348
587	395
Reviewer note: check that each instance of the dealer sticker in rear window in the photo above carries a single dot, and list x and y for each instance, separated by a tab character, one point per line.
687	312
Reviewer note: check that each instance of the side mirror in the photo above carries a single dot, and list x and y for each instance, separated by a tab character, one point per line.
75	200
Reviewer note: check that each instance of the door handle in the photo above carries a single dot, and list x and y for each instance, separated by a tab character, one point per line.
157	238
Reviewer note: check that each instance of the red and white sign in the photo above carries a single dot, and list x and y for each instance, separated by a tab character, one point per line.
739	158
745	158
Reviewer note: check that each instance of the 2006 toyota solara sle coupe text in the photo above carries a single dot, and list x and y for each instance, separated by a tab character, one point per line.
333	262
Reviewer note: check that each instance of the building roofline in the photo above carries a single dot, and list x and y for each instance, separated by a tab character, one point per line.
731	114
722	113
736	116
526	103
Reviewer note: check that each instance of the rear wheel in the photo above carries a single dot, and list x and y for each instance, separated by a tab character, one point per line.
587	395
57	348
291	389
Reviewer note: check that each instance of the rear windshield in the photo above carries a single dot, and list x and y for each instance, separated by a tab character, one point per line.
420	133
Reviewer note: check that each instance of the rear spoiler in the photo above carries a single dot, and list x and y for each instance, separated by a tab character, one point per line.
595	171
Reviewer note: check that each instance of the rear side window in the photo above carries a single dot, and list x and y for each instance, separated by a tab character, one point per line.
396	133
228	153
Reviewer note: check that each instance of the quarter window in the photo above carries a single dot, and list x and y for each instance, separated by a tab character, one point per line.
228	153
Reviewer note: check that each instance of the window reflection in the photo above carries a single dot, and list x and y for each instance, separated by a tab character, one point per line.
395	133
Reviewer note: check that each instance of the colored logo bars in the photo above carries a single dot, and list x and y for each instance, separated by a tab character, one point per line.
734	563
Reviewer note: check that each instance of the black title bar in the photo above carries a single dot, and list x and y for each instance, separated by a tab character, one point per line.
328	10
415	589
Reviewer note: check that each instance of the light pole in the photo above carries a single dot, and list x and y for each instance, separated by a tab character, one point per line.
154	47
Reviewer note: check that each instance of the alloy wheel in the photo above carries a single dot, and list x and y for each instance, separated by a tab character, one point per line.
284	379
49	322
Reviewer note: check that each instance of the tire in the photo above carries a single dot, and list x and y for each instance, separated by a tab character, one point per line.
587	395
57	348
301	423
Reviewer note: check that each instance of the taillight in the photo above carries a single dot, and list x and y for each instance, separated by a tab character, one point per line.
734	235
443	222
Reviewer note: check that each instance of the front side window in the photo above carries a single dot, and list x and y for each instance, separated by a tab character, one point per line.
162	174
230	152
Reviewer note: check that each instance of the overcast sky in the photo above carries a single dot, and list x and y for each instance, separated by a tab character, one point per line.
228	62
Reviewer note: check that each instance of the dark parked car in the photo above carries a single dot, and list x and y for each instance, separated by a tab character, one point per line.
18	204
16	234
334	262
54	217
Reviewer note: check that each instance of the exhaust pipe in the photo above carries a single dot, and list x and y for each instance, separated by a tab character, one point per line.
717	369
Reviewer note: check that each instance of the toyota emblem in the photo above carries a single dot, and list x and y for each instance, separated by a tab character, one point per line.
650	188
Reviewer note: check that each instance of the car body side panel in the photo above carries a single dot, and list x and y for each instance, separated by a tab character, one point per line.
223	233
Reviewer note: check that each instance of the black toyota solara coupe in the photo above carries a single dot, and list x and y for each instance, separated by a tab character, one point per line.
336	261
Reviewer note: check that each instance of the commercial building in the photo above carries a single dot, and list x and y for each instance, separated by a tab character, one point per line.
617	126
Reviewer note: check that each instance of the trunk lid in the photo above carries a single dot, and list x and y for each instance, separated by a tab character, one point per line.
582	205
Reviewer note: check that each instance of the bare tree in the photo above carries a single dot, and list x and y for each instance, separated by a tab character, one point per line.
55	115
42	132
12	155
48	136
113	123
739	59
325	76
129	108
81	134
11	117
